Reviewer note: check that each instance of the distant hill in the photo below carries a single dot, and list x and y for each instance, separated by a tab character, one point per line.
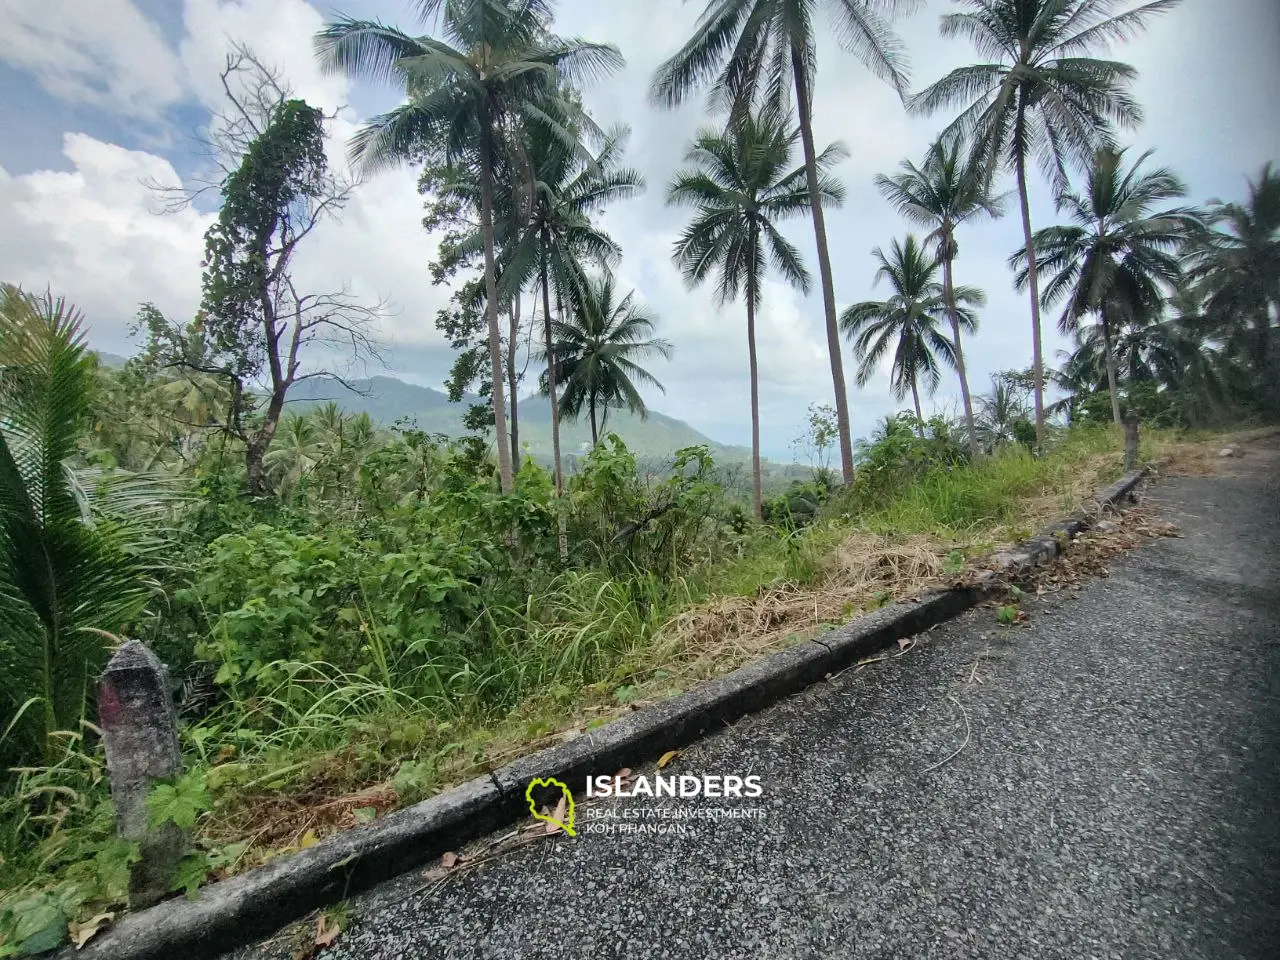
387	399
112	361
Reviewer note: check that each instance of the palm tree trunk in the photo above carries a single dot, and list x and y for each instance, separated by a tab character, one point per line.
595	437
1112	376
491	315
1033	281
1264	344
551	372
824	267
513	382
950	292
757	501
915	395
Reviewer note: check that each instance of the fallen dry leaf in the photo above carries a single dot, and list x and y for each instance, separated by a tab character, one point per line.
624	773
326	931
82	933
449	860
309	839
667	757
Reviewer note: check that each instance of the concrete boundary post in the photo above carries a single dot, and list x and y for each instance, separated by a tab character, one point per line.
140	733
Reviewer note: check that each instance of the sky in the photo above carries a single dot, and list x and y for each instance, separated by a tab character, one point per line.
99	98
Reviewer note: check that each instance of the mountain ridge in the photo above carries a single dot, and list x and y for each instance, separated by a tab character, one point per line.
387	399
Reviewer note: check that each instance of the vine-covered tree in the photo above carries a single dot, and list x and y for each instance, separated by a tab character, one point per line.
256	323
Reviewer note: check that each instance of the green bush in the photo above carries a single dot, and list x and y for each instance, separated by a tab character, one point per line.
628	524
898	457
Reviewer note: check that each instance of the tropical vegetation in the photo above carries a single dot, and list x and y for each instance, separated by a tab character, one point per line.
760	52
357	612
947	190
1042	95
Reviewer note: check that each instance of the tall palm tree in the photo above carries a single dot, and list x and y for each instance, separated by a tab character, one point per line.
559	239
739	183
1236	269
762	49
1039	94
599	348
76	547
908	323
1118	257
946	191
500	65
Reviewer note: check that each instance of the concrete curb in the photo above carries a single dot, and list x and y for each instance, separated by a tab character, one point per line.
237	911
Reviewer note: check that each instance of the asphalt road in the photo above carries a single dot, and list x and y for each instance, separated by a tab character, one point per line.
1118	795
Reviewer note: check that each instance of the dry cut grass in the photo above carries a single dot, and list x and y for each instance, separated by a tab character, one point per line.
862	572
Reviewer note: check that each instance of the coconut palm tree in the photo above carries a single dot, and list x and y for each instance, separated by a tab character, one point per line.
740	185
747	50
296	452
1000	412
946	191
497	69
599	347
1039	94
559	241
908	323
77	547
1117	259
1236	269
1177	352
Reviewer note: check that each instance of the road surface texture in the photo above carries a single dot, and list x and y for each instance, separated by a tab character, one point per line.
1118	795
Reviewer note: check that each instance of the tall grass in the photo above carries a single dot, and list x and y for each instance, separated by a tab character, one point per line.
1001	496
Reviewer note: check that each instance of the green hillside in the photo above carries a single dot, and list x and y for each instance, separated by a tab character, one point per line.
387	399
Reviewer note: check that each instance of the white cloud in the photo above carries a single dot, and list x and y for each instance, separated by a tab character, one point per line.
279	32
90	234
104	53
96	235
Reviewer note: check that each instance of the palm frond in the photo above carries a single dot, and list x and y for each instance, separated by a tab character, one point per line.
74	547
